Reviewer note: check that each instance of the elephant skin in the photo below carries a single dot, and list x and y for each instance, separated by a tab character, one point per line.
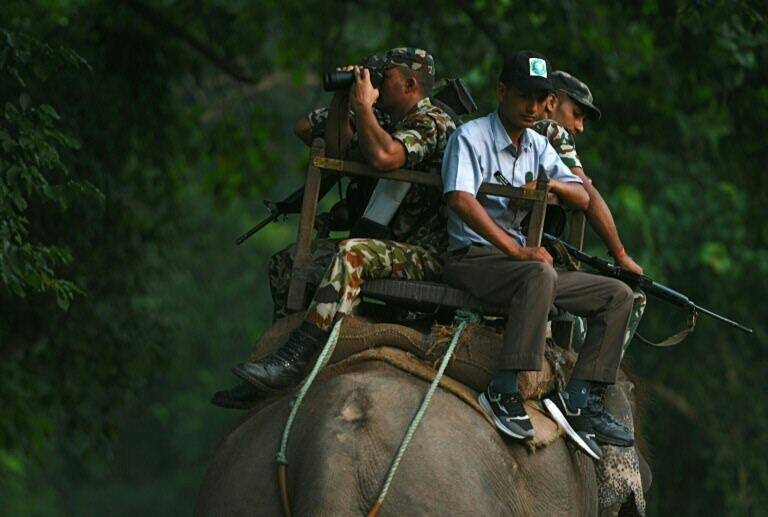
346	435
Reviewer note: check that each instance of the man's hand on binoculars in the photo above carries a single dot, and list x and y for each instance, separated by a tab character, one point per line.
362	93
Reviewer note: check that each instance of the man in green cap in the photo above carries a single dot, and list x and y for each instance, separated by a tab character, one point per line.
564	115
416	226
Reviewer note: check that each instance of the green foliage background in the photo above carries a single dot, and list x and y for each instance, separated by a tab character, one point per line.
138	139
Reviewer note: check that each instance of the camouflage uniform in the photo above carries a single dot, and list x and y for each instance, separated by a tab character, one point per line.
419	222
561	140
358	260
281	263
419	226
565	146
323	250
319	117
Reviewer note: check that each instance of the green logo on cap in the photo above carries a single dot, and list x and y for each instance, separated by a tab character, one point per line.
538	67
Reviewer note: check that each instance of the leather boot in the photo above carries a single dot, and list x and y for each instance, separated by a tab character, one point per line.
241	396
286	367
607	428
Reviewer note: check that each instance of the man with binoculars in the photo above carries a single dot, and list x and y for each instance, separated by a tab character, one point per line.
415	228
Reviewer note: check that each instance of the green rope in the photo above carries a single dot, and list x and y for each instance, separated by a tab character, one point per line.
322	360
463	317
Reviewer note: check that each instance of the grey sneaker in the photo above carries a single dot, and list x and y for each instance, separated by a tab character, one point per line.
507	412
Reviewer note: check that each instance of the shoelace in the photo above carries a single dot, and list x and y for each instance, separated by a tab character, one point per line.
513	400
597	407
290	352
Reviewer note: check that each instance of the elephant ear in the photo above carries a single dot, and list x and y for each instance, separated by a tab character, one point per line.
620	473
646	475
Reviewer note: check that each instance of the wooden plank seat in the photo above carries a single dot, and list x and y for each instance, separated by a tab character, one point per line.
425	296
432	297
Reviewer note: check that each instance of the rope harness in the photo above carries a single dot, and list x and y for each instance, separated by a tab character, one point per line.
281	457
462	318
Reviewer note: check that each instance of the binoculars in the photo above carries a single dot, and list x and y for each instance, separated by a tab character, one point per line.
335	81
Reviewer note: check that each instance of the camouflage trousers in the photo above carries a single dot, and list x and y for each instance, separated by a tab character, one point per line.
358	260
281	264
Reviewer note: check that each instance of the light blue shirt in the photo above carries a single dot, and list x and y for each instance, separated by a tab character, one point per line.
474	153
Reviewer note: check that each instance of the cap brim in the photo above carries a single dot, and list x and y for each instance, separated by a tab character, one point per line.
532	84
590	110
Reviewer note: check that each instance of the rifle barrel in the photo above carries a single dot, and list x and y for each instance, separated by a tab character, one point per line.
723	319
262	224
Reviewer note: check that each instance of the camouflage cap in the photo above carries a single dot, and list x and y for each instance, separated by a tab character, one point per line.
410	57
576	90
375	61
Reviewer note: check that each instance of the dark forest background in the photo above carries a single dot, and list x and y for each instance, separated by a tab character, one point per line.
138	138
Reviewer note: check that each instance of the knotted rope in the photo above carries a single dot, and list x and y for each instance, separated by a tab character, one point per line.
462	317
281	457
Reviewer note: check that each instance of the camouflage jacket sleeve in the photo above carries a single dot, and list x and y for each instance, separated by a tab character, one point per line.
424	132
319	117
561	140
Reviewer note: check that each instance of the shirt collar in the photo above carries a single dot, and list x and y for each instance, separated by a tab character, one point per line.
501	137
423	104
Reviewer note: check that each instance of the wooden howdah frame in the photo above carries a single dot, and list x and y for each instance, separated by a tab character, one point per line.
537	200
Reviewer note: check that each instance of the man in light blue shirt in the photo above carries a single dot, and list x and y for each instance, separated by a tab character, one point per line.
489	259
485	149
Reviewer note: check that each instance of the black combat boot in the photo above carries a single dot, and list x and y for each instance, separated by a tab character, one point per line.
241	396
286	367
607	428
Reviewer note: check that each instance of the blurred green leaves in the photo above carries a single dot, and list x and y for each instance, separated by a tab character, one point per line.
125	183
34	175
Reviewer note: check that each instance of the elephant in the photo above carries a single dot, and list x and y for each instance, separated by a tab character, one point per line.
347	434
348	431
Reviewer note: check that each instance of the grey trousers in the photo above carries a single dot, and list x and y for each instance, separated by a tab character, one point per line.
529	289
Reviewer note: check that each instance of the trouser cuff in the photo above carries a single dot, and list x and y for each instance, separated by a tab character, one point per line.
592	374
522	362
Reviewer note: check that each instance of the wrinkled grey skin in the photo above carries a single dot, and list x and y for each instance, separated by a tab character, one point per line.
347	433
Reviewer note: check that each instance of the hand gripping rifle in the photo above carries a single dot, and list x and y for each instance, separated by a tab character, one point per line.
289	205
643	282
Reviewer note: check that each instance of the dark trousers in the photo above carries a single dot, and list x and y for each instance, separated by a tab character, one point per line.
529	289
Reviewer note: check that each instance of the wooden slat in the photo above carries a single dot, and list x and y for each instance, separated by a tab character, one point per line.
348	168
562	331
302	264
578	224
538	212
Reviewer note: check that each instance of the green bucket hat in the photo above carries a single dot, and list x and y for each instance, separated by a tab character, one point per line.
576	90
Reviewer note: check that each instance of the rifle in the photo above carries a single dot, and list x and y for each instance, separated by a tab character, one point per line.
289	205
634	280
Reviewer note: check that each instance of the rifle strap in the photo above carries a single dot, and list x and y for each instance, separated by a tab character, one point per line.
675	339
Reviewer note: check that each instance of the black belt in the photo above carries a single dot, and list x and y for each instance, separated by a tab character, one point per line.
465	249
